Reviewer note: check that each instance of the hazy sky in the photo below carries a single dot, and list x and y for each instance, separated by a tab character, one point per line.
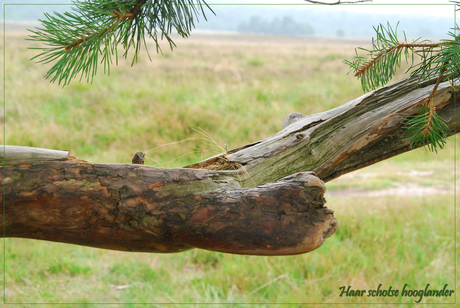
425	7
437	8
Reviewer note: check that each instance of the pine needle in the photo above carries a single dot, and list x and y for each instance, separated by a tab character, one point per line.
78	41
436	59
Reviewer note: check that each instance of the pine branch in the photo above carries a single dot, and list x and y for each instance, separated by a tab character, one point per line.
117	19
429	103
76	40
427	128
367	66
382	61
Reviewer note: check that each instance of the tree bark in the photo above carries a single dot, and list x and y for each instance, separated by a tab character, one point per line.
259	199
141	208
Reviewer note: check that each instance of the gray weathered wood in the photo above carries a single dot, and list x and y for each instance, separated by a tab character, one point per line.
359	133
15	155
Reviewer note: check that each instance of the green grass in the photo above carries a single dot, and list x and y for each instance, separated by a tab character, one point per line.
388	241
237	89
233	90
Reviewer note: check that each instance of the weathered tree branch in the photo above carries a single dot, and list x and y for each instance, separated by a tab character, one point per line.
271	204
355	135
141	208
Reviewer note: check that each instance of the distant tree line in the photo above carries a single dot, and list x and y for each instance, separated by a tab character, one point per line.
285	26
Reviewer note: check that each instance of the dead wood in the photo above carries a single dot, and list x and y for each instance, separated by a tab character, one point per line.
141	208
273	204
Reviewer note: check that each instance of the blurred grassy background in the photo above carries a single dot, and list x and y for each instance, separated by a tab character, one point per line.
237	88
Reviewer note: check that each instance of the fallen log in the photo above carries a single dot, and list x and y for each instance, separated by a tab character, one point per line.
141	208
273	204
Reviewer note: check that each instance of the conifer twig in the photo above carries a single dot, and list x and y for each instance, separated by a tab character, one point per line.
365	67
429	103
437	59
76	40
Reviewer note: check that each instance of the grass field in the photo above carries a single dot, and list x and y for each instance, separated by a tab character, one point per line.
237	88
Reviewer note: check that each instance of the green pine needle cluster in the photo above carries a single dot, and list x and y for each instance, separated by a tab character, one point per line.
442	60
427	60
380	63
432	136
78	41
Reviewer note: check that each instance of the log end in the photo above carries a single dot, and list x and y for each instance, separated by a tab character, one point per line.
286	217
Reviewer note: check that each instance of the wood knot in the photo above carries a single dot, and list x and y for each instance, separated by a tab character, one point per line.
292	118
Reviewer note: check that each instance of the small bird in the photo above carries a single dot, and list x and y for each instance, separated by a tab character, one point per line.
138	158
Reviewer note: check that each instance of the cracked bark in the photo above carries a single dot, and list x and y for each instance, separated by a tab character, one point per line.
332	143
140	208
274	206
